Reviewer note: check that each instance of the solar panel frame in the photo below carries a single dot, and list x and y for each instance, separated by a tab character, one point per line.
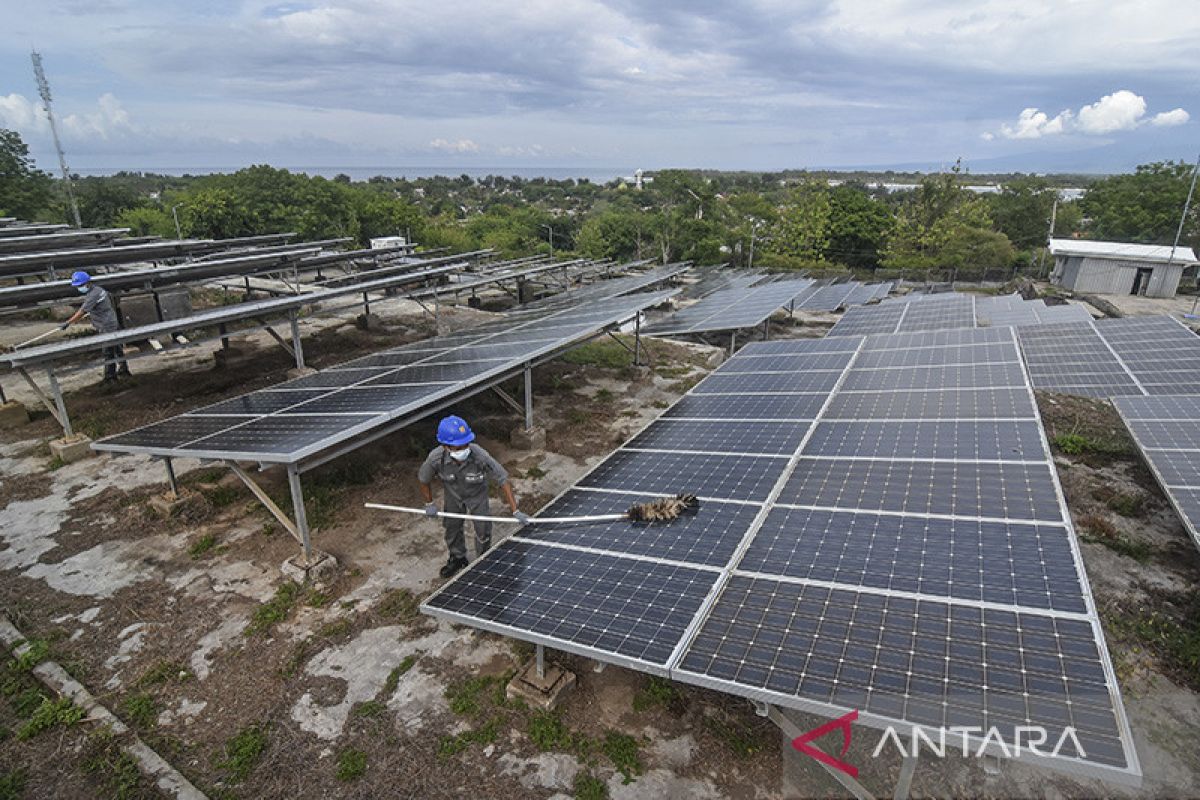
731	309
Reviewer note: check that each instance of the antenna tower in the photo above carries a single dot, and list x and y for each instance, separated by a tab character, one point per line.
44	91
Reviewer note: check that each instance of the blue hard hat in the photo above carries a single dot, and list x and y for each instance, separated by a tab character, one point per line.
454	431
80	278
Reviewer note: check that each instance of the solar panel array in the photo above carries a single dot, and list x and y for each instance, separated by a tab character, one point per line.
291	421
730	309
1160	353
1073	358
951	310
902	552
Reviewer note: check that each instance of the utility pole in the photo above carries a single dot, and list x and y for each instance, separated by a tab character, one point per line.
1049	235
44	91
1183	218
551	230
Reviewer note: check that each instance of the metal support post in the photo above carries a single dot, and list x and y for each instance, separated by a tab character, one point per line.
792	309
732	343
541	662
637	340
297	348
528	396
246	279
171	477
437	315
904	782
299	513
792	731
366	304
266	500
3	397
59	403
766	328
223	330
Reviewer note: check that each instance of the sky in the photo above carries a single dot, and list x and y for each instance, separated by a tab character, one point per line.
1029	85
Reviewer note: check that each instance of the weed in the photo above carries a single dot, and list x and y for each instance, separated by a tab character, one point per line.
399	604
371	708
464	696
1104	532
1077	444
578	416
332	630
1128	505
622	751
317	599
276	609
116	768
202	545
25	699
672	372
300	653
535	472
223	496
607	355
657	692
141	710
743	741
12	784
55	464
393	678
1099	526
453	745
38	651
589	787
50	714
605	395
1170	629
351	764
208	475
660	404
548	732
243	751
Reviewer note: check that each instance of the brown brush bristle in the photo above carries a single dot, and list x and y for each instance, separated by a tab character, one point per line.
664	509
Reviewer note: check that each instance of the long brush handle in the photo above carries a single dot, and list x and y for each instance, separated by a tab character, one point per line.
473	517
37	338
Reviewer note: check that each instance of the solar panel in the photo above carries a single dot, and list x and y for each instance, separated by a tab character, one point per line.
731	309
1072	357
1166	431
346	402
923	572
828	298
867	320
1162	355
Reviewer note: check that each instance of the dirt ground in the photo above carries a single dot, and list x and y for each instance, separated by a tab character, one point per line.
254	687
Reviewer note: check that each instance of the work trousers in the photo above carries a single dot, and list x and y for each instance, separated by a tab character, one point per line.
456	541
112	356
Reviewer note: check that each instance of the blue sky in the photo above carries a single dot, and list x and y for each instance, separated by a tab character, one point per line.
1040	85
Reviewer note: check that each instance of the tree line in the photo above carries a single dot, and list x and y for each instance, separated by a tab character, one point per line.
783	221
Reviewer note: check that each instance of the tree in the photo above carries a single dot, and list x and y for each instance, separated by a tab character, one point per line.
803	228
1021	210
1142	207
146	221
24	189
859	226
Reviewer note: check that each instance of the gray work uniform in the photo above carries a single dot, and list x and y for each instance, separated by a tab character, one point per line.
99	308
465	484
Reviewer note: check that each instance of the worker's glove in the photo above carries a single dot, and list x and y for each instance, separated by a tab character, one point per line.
521	517
431	509
64	326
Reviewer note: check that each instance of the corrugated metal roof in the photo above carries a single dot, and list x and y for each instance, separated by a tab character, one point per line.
1122	250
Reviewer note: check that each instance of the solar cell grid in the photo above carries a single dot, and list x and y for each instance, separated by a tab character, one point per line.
820	361
767	438
960	376
963	440
940	339
727	477
815	381
936	356
748	406
798	347
273	435
998	403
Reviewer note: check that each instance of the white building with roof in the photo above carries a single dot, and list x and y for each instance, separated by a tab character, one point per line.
1119	267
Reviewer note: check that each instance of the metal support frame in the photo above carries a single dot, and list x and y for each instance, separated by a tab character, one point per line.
59	403
508	400
299	512
55	406
528	396
298	348
171	482
279	340
766	329
637	340
266	500
732	342
540	663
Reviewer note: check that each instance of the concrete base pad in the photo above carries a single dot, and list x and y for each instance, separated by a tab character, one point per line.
169	504
320	565
368	322
528	439
13	415
225	355
545	692
300	372
70	449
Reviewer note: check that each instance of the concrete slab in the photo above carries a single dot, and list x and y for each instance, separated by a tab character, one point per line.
528	439
368	322
300	372
319	566
544	692
170	504
13	415
70	449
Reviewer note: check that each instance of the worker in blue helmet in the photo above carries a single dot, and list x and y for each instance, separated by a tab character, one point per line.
99	308
465	470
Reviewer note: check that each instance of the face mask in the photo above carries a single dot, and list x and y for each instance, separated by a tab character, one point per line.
460	455
81	289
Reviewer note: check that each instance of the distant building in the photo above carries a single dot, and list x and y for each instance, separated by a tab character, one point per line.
1118	267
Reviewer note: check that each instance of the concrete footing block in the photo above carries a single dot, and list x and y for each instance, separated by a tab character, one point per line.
226	355
528	438
70	449
298	569
300	372
171	504
13	415
544	692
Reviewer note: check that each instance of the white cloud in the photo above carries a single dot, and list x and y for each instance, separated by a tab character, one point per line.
1120	111
458	146
1166	119
109	120
21	114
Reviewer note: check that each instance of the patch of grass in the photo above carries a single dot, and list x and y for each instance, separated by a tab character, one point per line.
579	416
39	651
351	764
1128	504
223	496
660	404
1078	444
55	464
393	678
243	752
300	653
12	784
657	693
276	609
50	714
371	708
1169	627
604	395
535	472
548	732
606	355
206	475
400	605
115	768
588	787
624	753
1099	530
672	372
202	546
465	696
332	630
317	599
141	710
453	745
743	741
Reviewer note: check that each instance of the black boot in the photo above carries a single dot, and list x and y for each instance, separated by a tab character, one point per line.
452	566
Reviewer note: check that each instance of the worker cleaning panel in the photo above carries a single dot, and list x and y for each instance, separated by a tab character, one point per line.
465	470
99	308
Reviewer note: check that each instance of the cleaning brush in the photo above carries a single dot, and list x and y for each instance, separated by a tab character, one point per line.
663	509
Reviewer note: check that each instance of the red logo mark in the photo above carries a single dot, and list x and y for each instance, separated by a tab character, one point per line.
801	743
